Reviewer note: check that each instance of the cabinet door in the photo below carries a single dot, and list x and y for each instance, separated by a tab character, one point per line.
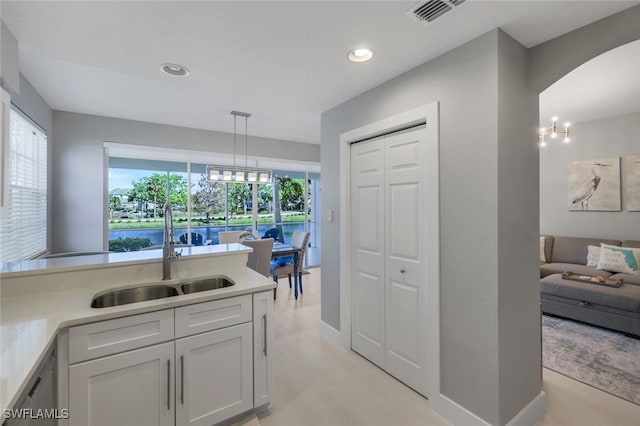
133	388
214	375
262	348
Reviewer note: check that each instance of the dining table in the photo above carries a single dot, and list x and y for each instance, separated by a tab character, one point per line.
285	250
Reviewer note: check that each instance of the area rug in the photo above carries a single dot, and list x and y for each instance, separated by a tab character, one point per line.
601	358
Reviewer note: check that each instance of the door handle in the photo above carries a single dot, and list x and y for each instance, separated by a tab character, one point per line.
264	332
168	384
181	379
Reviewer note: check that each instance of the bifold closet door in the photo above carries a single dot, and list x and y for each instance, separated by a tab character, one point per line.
367	250
406	257
388	254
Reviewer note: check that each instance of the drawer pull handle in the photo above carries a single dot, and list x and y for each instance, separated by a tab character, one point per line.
264	333
168	384
181	379
583	303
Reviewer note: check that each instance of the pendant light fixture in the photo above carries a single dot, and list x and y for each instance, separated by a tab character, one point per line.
553	132
246	174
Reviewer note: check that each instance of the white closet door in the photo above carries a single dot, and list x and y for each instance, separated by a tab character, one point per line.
406	257
367	250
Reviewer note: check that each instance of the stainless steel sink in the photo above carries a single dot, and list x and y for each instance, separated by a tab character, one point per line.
133	295
125	296
206	284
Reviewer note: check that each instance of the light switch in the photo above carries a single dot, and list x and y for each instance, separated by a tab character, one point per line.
329	215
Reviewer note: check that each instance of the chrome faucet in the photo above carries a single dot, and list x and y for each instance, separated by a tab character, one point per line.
168	245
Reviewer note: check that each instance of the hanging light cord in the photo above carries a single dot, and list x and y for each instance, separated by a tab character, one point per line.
235	119
246	136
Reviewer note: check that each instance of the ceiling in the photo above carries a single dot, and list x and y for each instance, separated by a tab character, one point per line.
606	86
284	62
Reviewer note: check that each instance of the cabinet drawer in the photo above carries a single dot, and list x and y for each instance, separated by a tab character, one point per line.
122	334
213	315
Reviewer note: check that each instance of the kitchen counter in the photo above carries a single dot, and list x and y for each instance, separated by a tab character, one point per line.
60	264
39	299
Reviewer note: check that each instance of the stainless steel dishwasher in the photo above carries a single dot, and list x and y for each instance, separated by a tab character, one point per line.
38	404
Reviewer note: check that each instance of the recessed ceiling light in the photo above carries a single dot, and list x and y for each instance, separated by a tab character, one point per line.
360	55
174	69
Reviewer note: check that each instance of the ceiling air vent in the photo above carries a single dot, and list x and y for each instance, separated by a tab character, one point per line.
427	12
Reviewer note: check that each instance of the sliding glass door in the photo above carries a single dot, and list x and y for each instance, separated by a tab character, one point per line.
138	190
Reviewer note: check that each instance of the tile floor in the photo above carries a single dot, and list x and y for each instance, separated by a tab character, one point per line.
319	384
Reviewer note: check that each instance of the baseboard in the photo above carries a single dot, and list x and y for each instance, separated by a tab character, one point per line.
454	413
532	413
330	333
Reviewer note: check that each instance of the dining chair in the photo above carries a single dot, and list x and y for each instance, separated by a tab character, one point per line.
260	259
227	237
299	239
196	239
274	233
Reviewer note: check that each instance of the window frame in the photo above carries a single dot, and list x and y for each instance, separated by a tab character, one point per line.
36	185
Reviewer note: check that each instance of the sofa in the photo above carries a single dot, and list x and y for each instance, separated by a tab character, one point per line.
610	307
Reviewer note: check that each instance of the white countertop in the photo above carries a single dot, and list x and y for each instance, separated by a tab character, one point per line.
30	322
45	266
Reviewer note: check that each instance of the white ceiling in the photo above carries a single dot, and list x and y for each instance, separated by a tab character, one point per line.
606	86
284	62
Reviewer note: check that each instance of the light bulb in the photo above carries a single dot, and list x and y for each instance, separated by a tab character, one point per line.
264	177
239	176
567	140
554	118
542	130
213	175
554	135
252	177
360	55
567	124
226	175
542	144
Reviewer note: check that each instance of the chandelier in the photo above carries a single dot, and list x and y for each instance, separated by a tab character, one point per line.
218	173
553	132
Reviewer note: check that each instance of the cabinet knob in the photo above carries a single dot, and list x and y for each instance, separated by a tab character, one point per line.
402	271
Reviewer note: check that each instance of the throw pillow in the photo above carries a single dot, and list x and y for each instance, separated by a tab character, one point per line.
619	259
543	258
593	256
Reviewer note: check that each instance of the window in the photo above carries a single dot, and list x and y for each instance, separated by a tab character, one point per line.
23	223
201	209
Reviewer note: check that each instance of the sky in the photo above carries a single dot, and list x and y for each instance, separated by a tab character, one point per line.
121	178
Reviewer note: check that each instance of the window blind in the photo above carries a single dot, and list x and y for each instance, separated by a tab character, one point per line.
23	224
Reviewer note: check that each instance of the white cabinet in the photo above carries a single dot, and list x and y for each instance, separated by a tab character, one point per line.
131	388
214	375
118	335
262	348
208	316
131	371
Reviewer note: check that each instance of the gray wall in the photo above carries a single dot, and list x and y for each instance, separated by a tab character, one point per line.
478	154
550	61
518	238
9	59
79	163
610	137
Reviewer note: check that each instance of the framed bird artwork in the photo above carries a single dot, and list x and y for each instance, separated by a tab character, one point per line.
632	166
594	185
